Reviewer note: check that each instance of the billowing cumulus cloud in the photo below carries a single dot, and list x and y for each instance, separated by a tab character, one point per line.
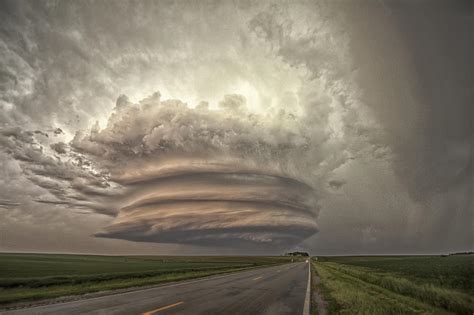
233	125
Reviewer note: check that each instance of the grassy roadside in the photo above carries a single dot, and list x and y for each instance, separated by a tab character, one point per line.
319	303
348	288
451	272
349	295
31	277
448	299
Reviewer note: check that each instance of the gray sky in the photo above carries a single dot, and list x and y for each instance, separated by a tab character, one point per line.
190	127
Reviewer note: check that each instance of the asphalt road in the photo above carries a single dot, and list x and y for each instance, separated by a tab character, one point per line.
272	290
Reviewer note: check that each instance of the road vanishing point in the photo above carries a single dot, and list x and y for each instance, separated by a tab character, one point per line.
282	289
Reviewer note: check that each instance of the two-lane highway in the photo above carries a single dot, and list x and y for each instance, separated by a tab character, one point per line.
272	290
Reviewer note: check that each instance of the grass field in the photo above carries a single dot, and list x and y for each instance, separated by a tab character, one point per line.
397	284
26	277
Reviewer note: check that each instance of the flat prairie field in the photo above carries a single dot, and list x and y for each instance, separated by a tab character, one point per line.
395	284
26	277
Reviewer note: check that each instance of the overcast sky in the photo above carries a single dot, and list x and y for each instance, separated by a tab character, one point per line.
236	127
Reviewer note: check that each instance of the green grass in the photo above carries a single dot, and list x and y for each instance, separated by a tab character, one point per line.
451	271
25	277
397	284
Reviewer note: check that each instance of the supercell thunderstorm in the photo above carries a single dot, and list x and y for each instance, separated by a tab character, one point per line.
247	168
233	125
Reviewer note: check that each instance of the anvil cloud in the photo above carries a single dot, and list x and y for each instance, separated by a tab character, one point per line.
327	126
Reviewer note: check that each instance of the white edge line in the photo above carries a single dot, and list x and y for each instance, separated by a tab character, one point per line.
307	300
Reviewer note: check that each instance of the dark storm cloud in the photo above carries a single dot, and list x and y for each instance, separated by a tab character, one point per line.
415	60
59	147
8	204
334	183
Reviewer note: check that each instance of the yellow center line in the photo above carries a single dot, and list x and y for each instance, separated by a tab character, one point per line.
163	308
257	278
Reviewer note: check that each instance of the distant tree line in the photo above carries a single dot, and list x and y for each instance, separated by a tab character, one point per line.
459	253
304	254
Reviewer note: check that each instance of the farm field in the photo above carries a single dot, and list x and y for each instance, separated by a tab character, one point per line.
396	284
26	277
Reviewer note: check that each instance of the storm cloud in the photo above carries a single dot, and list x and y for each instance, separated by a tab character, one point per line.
325	126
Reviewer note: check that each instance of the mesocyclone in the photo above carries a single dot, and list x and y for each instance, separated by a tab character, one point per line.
207	203
202	176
